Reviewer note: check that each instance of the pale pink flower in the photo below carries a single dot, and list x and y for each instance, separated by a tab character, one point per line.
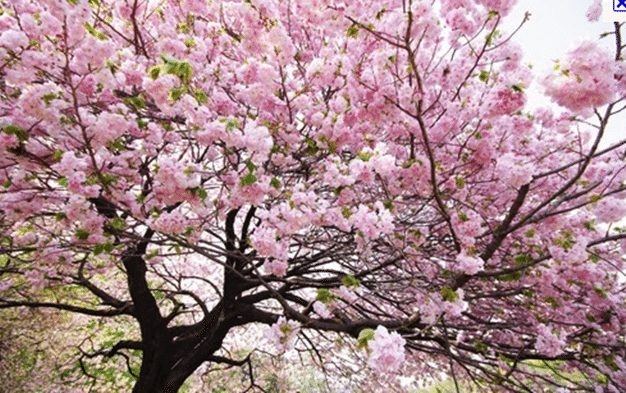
282	334
469	264
13	39
387	351
276	267
595	11
584	80
547	342
610	209
322	310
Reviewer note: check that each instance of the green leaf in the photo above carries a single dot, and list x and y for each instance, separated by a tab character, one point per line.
484	76
518	87
460	182
177	92
232	124
600	292
353	31
63	182
589	225
108	247
98	249
136	102
248	180
449	294
522	259
251	166
595	198
552	302
365	336
480	346
117	145
57	155
275	182
190	42
154	72
515	276
325	296
201	193
98	34
200	96
350	281
82	234
49	97
19	132
117	223
408	163
181	69
365	156
491	37
312	147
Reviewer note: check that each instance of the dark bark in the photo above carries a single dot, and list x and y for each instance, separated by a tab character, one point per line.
156	359
171	355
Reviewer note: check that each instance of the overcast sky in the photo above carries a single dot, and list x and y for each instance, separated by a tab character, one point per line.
555	27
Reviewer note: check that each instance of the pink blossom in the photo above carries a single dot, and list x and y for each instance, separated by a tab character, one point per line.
174	179
387	351
282	334
595	11
322	310
211	132
584	80
160	89
36	278
548	343
501	6
258	140
276	267
173	223
108	126
50	25
346	294
512	170
13	39
469	264
264	240
610	209
505	101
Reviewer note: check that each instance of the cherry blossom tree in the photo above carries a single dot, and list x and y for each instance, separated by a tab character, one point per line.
359	181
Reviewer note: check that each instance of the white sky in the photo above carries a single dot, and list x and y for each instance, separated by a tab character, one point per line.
556	26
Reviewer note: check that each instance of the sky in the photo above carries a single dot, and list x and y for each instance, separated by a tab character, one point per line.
555	27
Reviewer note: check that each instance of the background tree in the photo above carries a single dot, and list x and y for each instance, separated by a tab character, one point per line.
359	179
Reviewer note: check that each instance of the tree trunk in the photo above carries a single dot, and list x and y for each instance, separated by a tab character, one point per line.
156	375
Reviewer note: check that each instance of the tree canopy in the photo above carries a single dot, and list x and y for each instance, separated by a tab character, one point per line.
357	186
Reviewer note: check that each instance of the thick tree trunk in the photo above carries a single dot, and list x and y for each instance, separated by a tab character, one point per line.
157	373
157	384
